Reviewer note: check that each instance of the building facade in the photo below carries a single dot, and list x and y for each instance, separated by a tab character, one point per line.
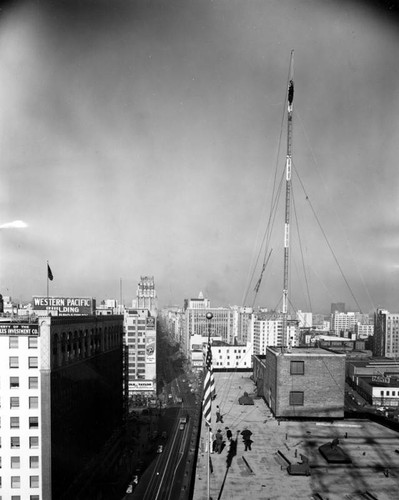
146	295
140	339
386	334
301	382
61	400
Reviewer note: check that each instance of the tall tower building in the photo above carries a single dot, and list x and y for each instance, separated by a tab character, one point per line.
146	295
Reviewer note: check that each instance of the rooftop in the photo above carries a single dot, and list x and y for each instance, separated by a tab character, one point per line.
261	473
304	351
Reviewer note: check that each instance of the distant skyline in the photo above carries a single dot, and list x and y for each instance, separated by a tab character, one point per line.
142	138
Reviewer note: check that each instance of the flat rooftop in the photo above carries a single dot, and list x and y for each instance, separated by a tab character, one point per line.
261	473
305	351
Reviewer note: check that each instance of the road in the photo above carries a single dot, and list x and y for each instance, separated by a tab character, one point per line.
168	476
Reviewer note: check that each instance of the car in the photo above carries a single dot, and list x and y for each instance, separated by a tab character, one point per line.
164	435
181	427
160	448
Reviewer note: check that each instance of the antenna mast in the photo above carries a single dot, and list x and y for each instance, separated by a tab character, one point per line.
288	165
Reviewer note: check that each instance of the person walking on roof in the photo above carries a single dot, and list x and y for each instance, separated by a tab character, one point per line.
246	435
219	416
219	441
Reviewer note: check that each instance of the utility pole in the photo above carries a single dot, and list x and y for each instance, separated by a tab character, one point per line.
288	171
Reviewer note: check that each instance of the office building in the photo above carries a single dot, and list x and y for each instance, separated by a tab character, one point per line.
140	339
61	400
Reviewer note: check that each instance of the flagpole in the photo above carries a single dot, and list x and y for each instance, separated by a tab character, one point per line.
47	282
209	317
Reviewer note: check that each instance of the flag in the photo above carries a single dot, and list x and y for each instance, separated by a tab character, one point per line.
209	386
49	273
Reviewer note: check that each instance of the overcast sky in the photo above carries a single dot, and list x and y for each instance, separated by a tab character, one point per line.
142	138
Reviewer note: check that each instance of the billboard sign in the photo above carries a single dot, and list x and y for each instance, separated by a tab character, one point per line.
141	385
18	329
65	306
150	349
150	323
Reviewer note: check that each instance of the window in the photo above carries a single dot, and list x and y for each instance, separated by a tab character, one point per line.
33	382
381	393
33	362
297	368
14	422
34	462
34	402
296	398
15	442
387	393
33	442
32	342
15	497
33	422
34	481
14	362
15	462
13	342
15	482
14	382
34	497
393	393
14	402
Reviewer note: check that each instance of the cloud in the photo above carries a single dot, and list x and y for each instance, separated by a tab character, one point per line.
15	224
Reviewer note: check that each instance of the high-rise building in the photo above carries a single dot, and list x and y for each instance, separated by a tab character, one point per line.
386	334
140	339
196	323
146	295
61	400
268	331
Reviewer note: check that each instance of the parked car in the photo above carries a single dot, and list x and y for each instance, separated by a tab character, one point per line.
160	448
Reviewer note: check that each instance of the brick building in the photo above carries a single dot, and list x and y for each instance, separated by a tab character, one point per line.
301	382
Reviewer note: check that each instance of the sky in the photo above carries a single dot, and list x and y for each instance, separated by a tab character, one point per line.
142	138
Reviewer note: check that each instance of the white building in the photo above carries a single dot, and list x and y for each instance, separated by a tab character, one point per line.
305	319
140	339
268	331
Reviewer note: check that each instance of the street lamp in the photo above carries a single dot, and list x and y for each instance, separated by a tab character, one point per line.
209	317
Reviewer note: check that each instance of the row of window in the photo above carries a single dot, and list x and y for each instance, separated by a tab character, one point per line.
235	350
228	363
14	423
387	393
15	442
15	462
33	382
33	362
18	497
16	483
14	402
13	342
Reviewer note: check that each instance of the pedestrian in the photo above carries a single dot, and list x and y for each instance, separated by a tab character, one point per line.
229	434
210	443
246	435
219	441
219	416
